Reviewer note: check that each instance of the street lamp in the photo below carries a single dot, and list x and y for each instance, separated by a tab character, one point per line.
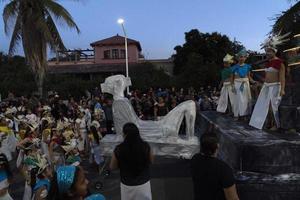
121	22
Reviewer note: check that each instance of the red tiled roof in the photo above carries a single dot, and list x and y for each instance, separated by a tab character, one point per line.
116	40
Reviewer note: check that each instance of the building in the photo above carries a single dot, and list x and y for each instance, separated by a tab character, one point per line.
112	50
107	56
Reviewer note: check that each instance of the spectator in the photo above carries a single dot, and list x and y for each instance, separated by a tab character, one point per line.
69	182
6	177
212	178
160	109
206	103
108	116
133	157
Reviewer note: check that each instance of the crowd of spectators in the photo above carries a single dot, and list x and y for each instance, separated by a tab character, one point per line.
41	135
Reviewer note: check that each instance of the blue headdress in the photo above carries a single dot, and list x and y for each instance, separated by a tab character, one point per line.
65	178
95	197
242	52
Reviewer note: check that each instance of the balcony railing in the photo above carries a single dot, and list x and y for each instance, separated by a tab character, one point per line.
71	57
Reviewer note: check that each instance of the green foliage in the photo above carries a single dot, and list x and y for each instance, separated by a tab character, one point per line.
146	75
32	22
74	85
199	60
15	76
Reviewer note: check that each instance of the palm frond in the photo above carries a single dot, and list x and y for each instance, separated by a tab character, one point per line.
58	43
10	12
16	36
286	19
60	14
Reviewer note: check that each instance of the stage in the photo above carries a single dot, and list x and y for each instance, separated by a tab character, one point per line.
267	164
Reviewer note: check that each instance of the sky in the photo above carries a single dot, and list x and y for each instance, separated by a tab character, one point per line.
159	25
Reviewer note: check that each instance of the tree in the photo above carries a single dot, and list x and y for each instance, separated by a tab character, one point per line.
288	21
199	59
15	76
146	75
33	24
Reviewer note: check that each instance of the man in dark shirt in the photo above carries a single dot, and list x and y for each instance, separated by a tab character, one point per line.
109	116
212	178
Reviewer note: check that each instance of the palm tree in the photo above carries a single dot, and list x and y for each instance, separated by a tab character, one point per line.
32	22
289	20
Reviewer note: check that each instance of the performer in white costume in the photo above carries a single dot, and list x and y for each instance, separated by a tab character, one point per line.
273	88
227	89
241	77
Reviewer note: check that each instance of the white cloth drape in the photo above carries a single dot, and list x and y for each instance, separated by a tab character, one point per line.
223	100
269	94
242	106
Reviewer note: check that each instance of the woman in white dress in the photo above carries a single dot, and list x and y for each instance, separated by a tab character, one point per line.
133	157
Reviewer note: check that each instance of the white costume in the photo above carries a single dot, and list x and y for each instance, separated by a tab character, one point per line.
138	192
81	123
268	94
223	100
242	106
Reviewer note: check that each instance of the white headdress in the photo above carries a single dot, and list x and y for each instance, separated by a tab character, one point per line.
273	41
70	146
41	163
228	58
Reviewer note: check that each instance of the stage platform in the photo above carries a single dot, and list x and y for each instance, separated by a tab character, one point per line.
267	164
249	149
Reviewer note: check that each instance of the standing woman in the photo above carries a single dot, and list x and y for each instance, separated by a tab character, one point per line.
133	157
273	88
227	88
241	78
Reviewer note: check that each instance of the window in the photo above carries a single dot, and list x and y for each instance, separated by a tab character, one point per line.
122	54
115	53
107	54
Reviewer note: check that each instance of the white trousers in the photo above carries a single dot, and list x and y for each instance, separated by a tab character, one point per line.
6	197
242	106
269	94
226	92
138	192
27	192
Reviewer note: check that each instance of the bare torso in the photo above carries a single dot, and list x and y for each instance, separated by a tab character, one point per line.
272	77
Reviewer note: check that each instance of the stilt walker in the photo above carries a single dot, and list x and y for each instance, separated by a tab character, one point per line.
274	86
227	88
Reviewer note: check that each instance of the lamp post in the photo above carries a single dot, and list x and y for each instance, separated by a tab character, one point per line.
121	22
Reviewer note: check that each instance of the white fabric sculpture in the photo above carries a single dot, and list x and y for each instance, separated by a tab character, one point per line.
165	129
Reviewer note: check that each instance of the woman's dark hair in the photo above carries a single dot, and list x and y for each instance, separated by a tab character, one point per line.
95	134
134	151
34	176
209	143
54	190
44	124
5	164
